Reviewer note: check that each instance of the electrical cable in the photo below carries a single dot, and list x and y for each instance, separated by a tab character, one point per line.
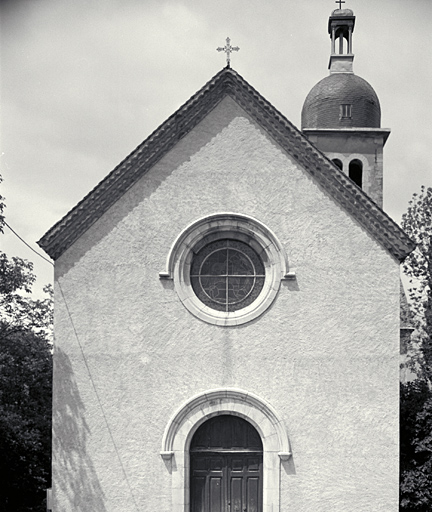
98	398
29	246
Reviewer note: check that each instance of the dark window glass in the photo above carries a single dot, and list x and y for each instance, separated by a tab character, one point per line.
227	275
337	162
356	172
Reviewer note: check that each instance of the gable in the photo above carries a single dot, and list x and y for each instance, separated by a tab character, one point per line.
226	83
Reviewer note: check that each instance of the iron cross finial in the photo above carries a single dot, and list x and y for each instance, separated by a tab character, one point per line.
228	49
340	2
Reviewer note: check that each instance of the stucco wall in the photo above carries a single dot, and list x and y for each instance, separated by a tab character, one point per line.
324	355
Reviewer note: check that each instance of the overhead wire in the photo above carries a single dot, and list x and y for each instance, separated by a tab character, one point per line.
86	365
98	399
28	245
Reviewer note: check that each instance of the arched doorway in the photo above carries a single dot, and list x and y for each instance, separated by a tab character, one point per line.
226	460
194	412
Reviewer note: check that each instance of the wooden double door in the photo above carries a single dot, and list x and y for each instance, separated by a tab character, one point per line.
226	467
229	482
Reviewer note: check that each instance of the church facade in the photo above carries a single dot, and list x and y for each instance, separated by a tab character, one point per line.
227	315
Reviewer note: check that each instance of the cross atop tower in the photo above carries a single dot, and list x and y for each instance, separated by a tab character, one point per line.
228	49
340	2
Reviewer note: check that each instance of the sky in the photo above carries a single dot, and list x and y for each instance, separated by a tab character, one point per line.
85	82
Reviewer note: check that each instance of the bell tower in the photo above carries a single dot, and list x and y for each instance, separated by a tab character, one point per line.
341	115
341	28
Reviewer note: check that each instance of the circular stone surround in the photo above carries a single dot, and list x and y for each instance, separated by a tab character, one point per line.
230	226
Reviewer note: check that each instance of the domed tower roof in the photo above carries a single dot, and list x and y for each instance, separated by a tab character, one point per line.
341	100
342	12
341	115
324	105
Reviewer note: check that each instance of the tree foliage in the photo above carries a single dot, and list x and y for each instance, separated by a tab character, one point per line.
25	419
416	447
25	387
416	396
17	308
417	223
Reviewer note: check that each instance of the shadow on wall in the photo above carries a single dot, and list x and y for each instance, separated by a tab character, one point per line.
289	466
75	481
159	166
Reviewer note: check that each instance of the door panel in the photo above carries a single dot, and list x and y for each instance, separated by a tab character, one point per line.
226	483
252	494
198	494
215	494
216	463
207	486
253	464
235	498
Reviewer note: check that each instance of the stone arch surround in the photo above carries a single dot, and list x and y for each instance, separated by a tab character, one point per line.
194	412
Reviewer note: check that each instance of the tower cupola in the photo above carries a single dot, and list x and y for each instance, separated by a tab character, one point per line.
341	99
342	116
341	27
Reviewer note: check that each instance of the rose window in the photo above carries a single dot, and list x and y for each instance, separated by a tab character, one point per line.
227	275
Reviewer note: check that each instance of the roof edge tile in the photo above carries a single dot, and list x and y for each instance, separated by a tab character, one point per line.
226	82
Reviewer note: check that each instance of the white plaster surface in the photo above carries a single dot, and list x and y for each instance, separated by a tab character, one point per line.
128	353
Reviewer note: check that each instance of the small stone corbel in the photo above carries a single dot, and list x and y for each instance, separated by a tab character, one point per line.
284	455
289	275
167	455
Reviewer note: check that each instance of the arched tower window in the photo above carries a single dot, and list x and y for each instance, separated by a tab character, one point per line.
338	163
226	459
340	30
355	172
343	37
